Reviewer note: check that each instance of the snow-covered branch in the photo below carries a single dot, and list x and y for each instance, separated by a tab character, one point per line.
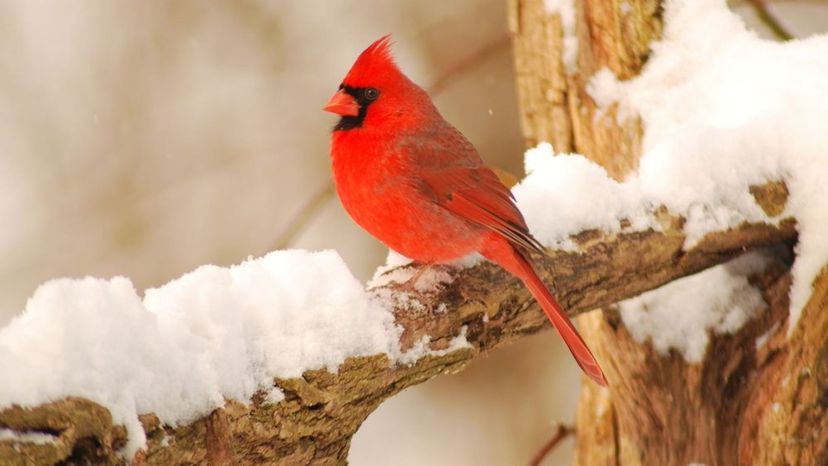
199	390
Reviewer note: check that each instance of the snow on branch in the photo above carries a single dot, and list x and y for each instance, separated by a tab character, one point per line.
285	356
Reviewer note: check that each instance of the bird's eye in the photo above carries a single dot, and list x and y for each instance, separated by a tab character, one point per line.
371	93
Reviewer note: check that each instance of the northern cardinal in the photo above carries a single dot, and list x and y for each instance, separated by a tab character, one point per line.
414	182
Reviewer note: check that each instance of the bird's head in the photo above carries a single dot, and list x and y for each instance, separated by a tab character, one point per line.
375	93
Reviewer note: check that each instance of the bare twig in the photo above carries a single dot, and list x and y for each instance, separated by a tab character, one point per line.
561	432
304	216
768	19
465	64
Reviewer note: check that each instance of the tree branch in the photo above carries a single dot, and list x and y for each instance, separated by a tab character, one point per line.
768	19
562	431
321	411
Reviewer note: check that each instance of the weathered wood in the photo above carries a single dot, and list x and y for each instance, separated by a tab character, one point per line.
744	404
613	34
540	75
554	103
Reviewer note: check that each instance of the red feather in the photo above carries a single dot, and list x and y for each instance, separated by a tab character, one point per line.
413	181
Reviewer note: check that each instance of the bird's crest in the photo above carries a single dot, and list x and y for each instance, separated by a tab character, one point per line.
374	63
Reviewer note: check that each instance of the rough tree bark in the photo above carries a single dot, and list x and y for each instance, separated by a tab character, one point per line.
742	405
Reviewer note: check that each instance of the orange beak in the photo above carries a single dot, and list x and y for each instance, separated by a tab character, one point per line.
343	104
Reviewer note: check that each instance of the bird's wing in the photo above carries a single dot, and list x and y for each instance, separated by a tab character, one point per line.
477	195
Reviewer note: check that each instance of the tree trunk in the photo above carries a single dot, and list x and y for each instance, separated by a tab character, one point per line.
745	403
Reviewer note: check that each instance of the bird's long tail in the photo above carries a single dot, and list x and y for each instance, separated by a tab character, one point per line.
518	264
583	356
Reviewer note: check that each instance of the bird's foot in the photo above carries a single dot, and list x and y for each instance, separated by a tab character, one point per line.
421	286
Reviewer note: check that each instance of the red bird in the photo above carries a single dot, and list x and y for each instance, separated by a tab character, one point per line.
414	182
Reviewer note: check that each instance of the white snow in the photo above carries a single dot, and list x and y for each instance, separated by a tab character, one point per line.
722	110
394	273
38	438
566	10
212	334
566	194
681	314
762	339
422	349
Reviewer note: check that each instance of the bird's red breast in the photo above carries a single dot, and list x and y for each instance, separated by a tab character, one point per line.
384	155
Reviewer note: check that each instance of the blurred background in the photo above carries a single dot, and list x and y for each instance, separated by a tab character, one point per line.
147	138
